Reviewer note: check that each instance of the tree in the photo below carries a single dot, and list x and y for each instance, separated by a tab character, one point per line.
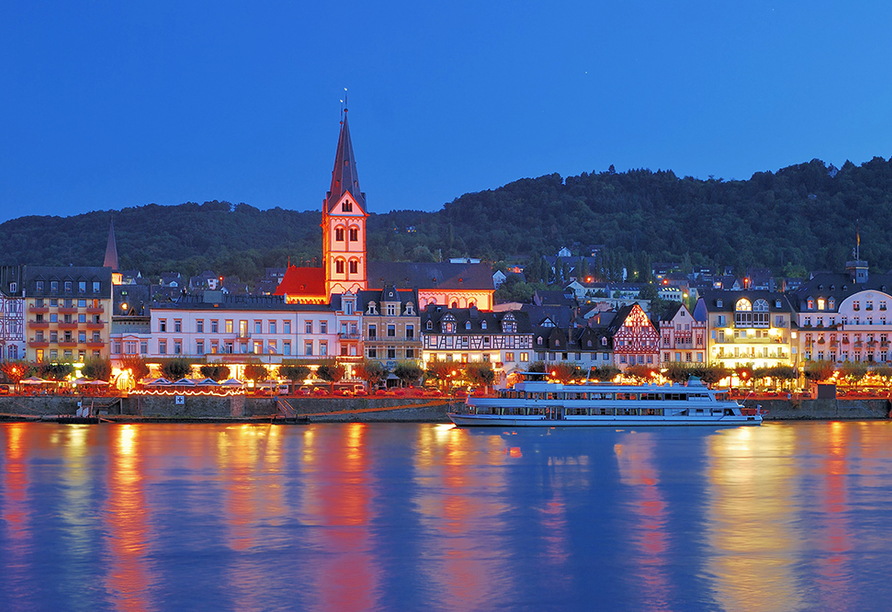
331	371
564	371
137	367
853	371
371	371
408	371
176	369
16	370
605	373
443	371
256	372
294	373
97	368
215	371
55	371
640	372
480	374
817	371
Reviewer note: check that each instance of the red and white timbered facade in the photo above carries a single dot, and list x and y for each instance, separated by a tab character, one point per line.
635	339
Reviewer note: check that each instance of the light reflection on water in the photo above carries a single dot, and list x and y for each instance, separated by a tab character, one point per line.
408	517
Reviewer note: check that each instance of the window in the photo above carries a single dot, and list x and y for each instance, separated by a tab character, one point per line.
229	326
54	286
199	326
178	326
286	347
286	327
347	206
354	234
258	327
323	327
82	318
308	347
81	336
177	347
410	353
40	285
323	348
339	234
373	352
348	307
68	286
82	303
96	286
339	266
162	325
272	327
162	347
391	352
144	347
215	327
391	310
199	347
391	331
410	332
308	327
509	356
258	347
354	267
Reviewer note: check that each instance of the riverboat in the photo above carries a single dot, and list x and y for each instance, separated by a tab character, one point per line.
537	403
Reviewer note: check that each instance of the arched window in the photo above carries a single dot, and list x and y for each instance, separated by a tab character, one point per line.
339	234
482	324
353	234
339	266
354	267
467	325
760	313
743	313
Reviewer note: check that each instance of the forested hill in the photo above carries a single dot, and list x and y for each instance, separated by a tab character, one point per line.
799	218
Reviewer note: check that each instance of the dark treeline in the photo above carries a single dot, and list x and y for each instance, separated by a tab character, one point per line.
799	218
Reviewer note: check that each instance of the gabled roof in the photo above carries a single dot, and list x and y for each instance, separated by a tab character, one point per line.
344	177
402	274
471	320
308	282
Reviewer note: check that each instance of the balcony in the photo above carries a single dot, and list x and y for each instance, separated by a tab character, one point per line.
38	309
39	344
96	310
38	324
67	309
96	344
352	336
68	343
72	325
95	325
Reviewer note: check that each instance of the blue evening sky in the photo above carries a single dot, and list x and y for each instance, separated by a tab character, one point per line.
105	105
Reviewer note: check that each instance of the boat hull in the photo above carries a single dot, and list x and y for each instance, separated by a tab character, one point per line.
489	420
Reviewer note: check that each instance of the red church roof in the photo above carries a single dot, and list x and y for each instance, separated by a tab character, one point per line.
302	282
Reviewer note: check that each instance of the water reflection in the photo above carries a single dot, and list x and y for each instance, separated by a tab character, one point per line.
461	507
752	532
647	507
357	517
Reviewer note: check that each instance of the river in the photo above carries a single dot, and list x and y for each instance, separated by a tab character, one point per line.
792	516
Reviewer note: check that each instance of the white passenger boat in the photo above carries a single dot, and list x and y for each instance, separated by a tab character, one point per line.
546	404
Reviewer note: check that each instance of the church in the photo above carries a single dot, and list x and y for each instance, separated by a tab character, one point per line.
346	268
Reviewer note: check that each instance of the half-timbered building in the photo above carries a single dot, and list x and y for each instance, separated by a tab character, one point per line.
636	340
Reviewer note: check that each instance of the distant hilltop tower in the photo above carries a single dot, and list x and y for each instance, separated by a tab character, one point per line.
344	223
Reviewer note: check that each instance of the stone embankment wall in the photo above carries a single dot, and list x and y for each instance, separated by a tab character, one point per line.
319	410
238	407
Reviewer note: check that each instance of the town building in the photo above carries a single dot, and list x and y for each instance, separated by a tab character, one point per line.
466	335
391	325
636	340
845	316
683	337
749	327
69	312
12	313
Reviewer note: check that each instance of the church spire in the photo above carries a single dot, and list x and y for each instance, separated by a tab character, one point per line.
344	177
111	250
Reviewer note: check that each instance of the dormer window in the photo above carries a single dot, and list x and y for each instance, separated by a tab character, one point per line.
718	303
430	325
410	309
539	340
777	303
448	328
348	206
483	325
467	325
831	304
372	308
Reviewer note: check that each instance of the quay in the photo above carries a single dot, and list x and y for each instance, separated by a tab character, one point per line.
296	409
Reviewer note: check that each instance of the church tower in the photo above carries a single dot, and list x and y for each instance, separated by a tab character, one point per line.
343	223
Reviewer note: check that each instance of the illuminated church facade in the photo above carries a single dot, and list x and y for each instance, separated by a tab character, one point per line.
346	268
